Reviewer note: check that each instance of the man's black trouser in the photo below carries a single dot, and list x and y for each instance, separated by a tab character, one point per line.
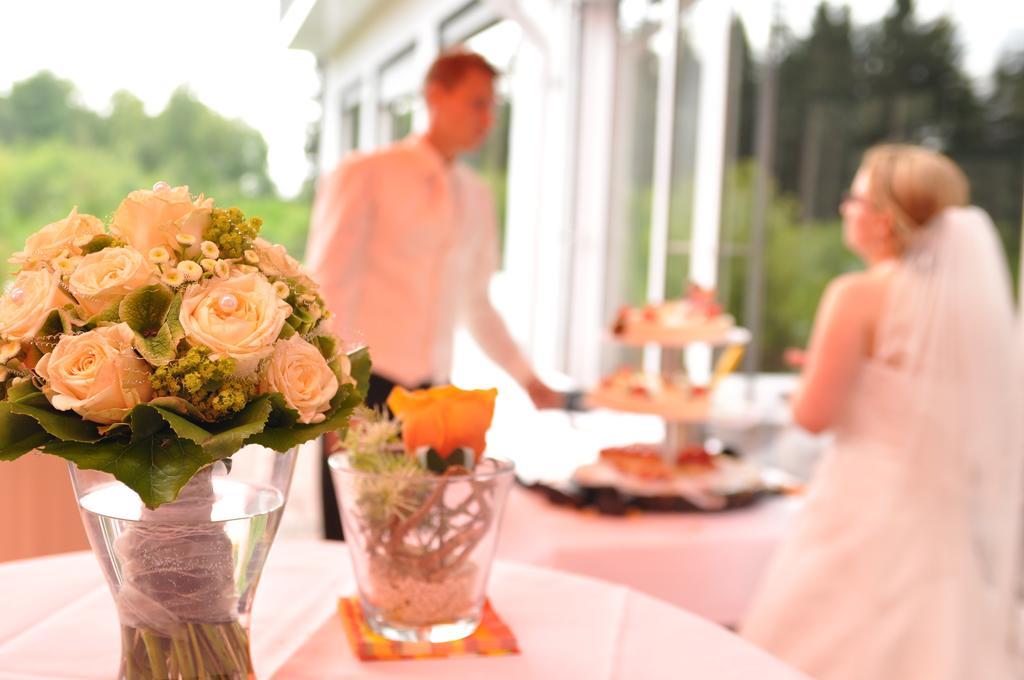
376	397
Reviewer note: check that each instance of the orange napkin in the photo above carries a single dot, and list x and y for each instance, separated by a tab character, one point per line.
491	638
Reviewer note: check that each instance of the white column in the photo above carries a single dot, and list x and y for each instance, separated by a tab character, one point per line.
664	136
525	186
594	145
538	235
368	109
713	49
330	122
661	194
428	46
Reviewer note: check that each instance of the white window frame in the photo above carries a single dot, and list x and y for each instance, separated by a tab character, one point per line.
350	102
709	173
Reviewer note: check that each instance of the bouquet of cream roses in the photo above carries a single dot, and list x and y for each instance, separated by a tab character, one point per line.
156	345
151	348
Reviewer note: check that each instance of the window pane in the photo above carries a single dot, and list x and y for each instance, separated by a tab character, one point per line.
848	78
398	117
397	86
684	159
637	82
351	107
498	44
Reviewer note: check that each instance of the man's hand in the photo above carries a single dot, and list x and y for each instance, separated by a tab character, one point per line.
794	357
332	443
544	397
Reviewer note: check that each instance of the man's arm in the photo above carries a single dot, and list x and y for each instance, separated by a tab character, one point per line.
487	325
340	225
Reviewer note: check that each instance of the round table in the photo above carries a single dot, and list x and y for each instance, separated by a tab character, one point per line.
706	563
59	623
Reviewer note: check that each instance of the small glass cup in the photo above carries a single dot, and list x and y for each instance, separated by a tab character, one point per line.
422	545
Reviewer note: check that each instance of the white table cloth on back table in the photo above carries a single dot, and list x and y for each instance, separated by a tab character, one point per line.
59	623
706	563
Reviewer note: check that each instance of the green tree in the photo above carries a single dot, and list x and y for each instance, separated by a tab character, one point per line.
203	149
41	108
126	123
912	71
816	90
55	154
997	168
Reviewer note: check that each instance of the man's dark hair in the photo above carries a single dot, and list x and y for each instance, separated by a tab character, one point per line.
451	67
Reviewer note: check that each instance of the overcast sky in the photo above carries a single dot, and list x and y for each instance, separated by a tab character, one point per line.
230	53
986	27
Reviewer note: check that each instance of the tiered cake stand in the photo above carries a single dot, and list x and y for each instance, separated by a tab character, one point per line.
686	414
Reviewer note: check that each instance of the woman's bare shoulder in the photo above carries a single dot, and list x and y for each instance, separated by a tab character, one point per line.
861	291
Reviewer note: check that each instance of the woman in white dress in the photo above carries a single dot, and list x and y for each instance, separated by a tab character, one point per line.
905	563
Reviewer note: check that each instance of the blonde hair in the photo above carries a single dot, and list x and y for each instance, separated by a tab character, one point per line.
913	183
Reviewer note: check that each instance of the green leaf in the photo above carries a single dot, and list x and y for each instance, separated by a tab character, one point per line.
57	323
115	429
179	406
460	456
22	390
434	462
155	467
361	365
146	422
173	320
327	345
232	434
283	430
225	438
297	324
158	349
99	242
282	415
19	434
286	332
282	421
182	426
110	315
145	309
26	400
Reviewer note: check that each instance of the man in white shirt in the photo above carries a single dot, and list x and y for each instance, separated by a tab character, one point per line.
404	243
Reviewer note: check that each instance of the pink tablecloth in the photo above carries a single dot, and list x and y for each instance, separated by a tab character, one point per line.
58	623
708	564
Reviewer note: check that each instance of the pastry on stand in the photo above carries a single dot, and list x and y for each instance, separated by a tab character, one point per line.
679	473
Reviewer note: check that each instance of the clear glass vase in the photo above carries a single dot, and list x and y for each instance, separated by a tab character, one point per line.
183	576
422	546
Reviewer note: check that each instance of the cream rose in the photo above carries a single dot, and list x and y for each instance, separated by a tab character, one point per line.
24	307
274	260
96	374
238	317
300	373
147	219
106	276
56	237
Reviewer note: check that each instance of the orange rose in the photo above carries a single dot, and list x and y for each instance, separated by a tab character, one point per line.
444	418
